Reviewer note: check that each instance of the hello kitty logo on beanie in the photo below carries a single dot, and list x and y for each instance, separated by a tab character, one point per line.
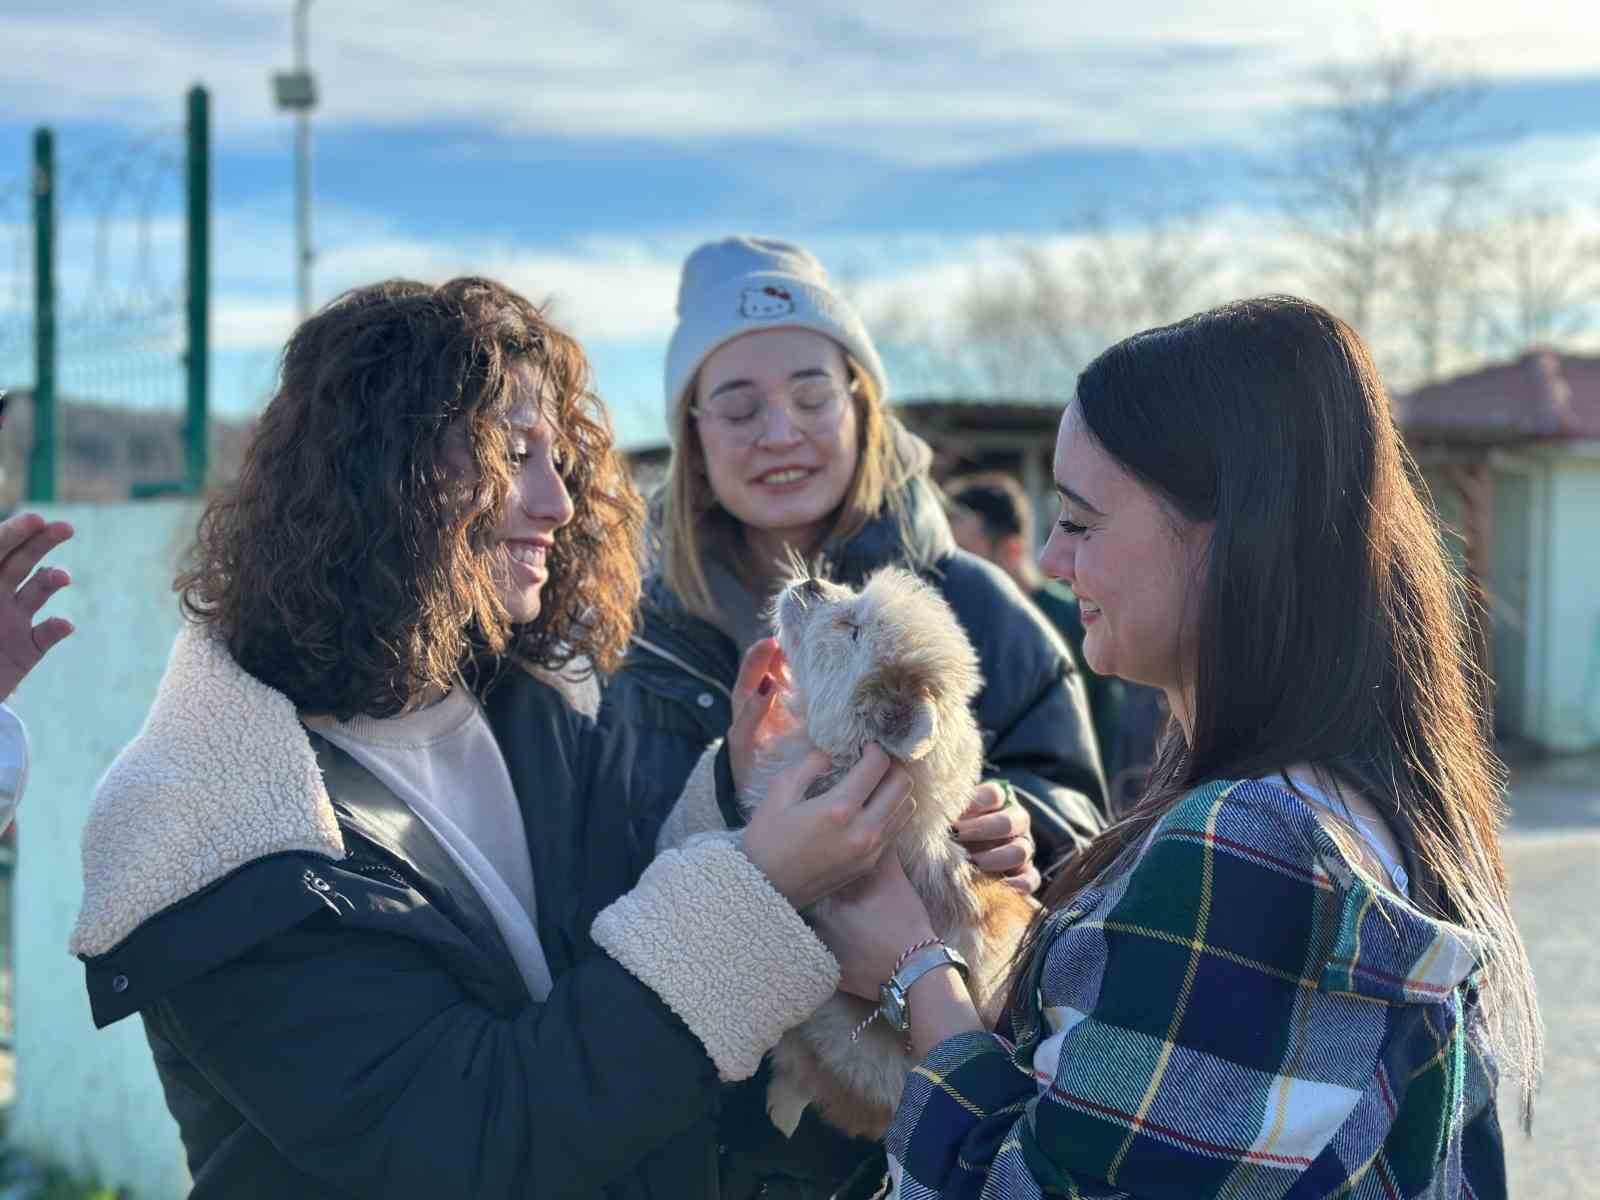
764	303
740	285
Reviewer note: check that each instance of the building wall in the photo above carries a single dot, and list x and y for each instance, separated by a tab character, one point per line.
88	1098
1567	717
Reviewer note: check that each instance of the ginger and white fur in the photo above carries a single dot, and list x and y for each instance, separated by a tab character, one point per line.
890	664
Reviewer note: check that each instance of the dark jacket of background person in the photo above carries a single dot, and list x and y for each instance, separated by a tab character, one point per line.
674	695
446	1080
674	691
1058	604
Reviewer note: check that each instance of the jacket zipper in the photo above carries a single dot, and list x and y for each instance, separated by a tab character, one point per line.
669	657
372	868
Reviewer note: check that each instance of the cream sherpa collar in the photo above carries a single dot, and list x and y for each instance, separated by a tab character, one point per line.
221	774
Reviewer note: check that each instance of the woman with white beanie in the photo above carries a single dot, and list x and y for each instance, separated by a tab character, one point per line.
776	401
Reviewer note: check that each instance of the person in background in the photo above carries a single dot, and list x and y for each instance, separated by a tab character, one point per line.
25	538
783	442
1293	970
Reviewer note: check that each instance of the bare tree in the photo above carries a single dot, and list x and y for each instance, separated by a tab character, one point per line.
1439	265
1152	274
1383	135
1027	325
1545	279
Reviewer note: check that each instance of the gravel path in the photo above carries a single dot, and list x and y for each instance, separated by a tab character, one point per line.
1553	857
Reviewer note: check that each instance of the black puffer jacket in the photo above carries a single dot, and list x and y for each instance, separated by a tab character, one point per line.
339	1017
674	695
674	692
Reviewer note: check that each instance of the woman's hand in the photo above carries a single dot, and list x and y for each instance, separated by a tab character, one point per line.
997	835
759	716
870	924
811	848
24	540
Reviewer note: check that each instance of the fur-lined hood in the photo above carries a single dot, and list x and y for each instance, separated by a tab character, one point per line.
221	774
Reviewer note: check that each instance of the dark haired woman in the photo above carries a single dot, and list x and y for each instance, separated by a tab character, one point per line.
1292	970
365	873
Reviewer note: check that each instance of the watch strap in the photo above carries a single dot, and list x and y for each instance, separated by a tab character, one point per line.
923	961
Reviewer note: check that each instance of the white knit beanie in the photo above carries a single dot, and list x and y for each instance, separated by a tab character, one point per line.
743	284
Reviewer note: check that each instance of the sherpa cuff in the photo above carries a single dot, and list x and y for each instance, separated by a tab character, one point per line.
707	932
697	810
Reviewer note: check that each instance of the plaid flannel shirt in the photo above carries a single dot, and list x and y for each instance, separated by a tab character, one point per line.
1233	1013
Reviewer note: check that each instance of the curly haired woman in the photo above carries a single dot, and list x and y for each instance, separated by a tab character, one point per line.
365	873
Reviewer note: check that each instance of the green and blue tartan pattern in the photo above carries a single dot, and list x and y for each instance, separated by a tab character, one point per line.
1235	1013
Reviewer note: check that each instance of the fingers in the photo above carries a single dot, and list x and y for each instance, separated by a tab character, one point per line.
988	798
48	633
1027	881
1004	859
46	582
758	661
750	711
15	530
1004	825
860	782
24	540
792	783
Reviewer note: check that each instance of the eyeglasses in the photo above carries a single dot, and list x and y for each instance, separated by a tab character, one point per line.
741	412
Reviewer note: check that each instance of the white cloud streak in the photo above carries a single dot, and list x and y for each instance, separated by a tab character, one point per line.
967	82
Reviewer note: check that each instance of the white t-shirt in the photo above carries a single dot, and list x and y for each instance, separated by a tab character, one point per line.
444	763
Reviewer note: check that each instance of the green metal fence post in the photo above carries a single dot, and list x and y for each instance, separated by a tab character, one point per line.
198	358
42	458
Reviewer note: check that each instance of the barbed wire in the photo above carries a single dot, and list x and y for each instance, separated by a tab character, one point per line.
119	279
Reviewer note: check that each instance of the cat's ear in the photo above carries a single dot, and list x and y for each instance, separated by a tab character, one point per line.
898	713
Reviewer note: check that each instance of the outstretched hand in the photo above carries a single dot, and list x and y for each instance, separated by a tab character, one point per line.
24	540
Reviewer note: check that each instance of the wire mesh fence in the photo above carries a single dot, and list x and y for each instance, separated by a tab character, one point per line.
111	222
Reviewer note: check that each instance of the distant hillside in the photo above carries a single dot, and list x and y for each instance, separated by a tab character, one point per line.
102	450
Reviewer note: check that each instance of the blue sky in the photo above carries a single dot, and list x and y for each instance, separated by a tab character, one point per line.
579	155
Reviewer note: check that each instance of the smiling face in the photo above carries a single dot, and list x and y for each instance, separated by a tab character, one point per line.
1136	566
536	506
781	480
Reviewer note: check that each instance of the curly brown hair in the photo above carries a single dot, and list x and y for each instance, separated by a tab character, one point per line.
348	566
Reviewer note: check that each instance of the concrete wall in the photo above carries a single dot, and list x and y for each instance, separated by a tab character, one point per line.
84	1097
1566	715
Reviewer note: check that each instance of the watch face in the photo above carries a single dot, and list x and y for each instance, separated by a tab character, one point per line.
893	1007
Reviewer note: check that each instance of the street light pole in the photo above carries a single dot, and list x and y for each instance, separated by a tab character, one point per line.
302	160
296	92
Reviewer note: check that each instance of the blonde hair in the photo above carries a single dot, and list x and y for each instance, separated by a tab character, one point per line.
693	524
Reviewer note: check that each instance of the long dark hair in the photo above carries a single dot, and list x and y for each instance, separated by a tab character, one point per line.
1332	626
347	566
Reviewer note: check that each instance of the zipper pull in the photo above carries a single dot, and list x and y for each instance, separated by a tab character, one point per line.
324	891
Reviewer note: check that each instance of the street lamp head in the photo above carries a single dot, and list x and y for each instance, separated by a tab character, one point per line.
295	91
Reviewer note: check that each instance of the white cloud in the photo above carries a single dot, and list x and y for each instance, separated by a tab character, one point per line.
968	82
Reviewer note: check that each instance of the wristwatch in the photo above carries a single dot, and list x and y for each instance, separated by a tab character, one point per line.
892	995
